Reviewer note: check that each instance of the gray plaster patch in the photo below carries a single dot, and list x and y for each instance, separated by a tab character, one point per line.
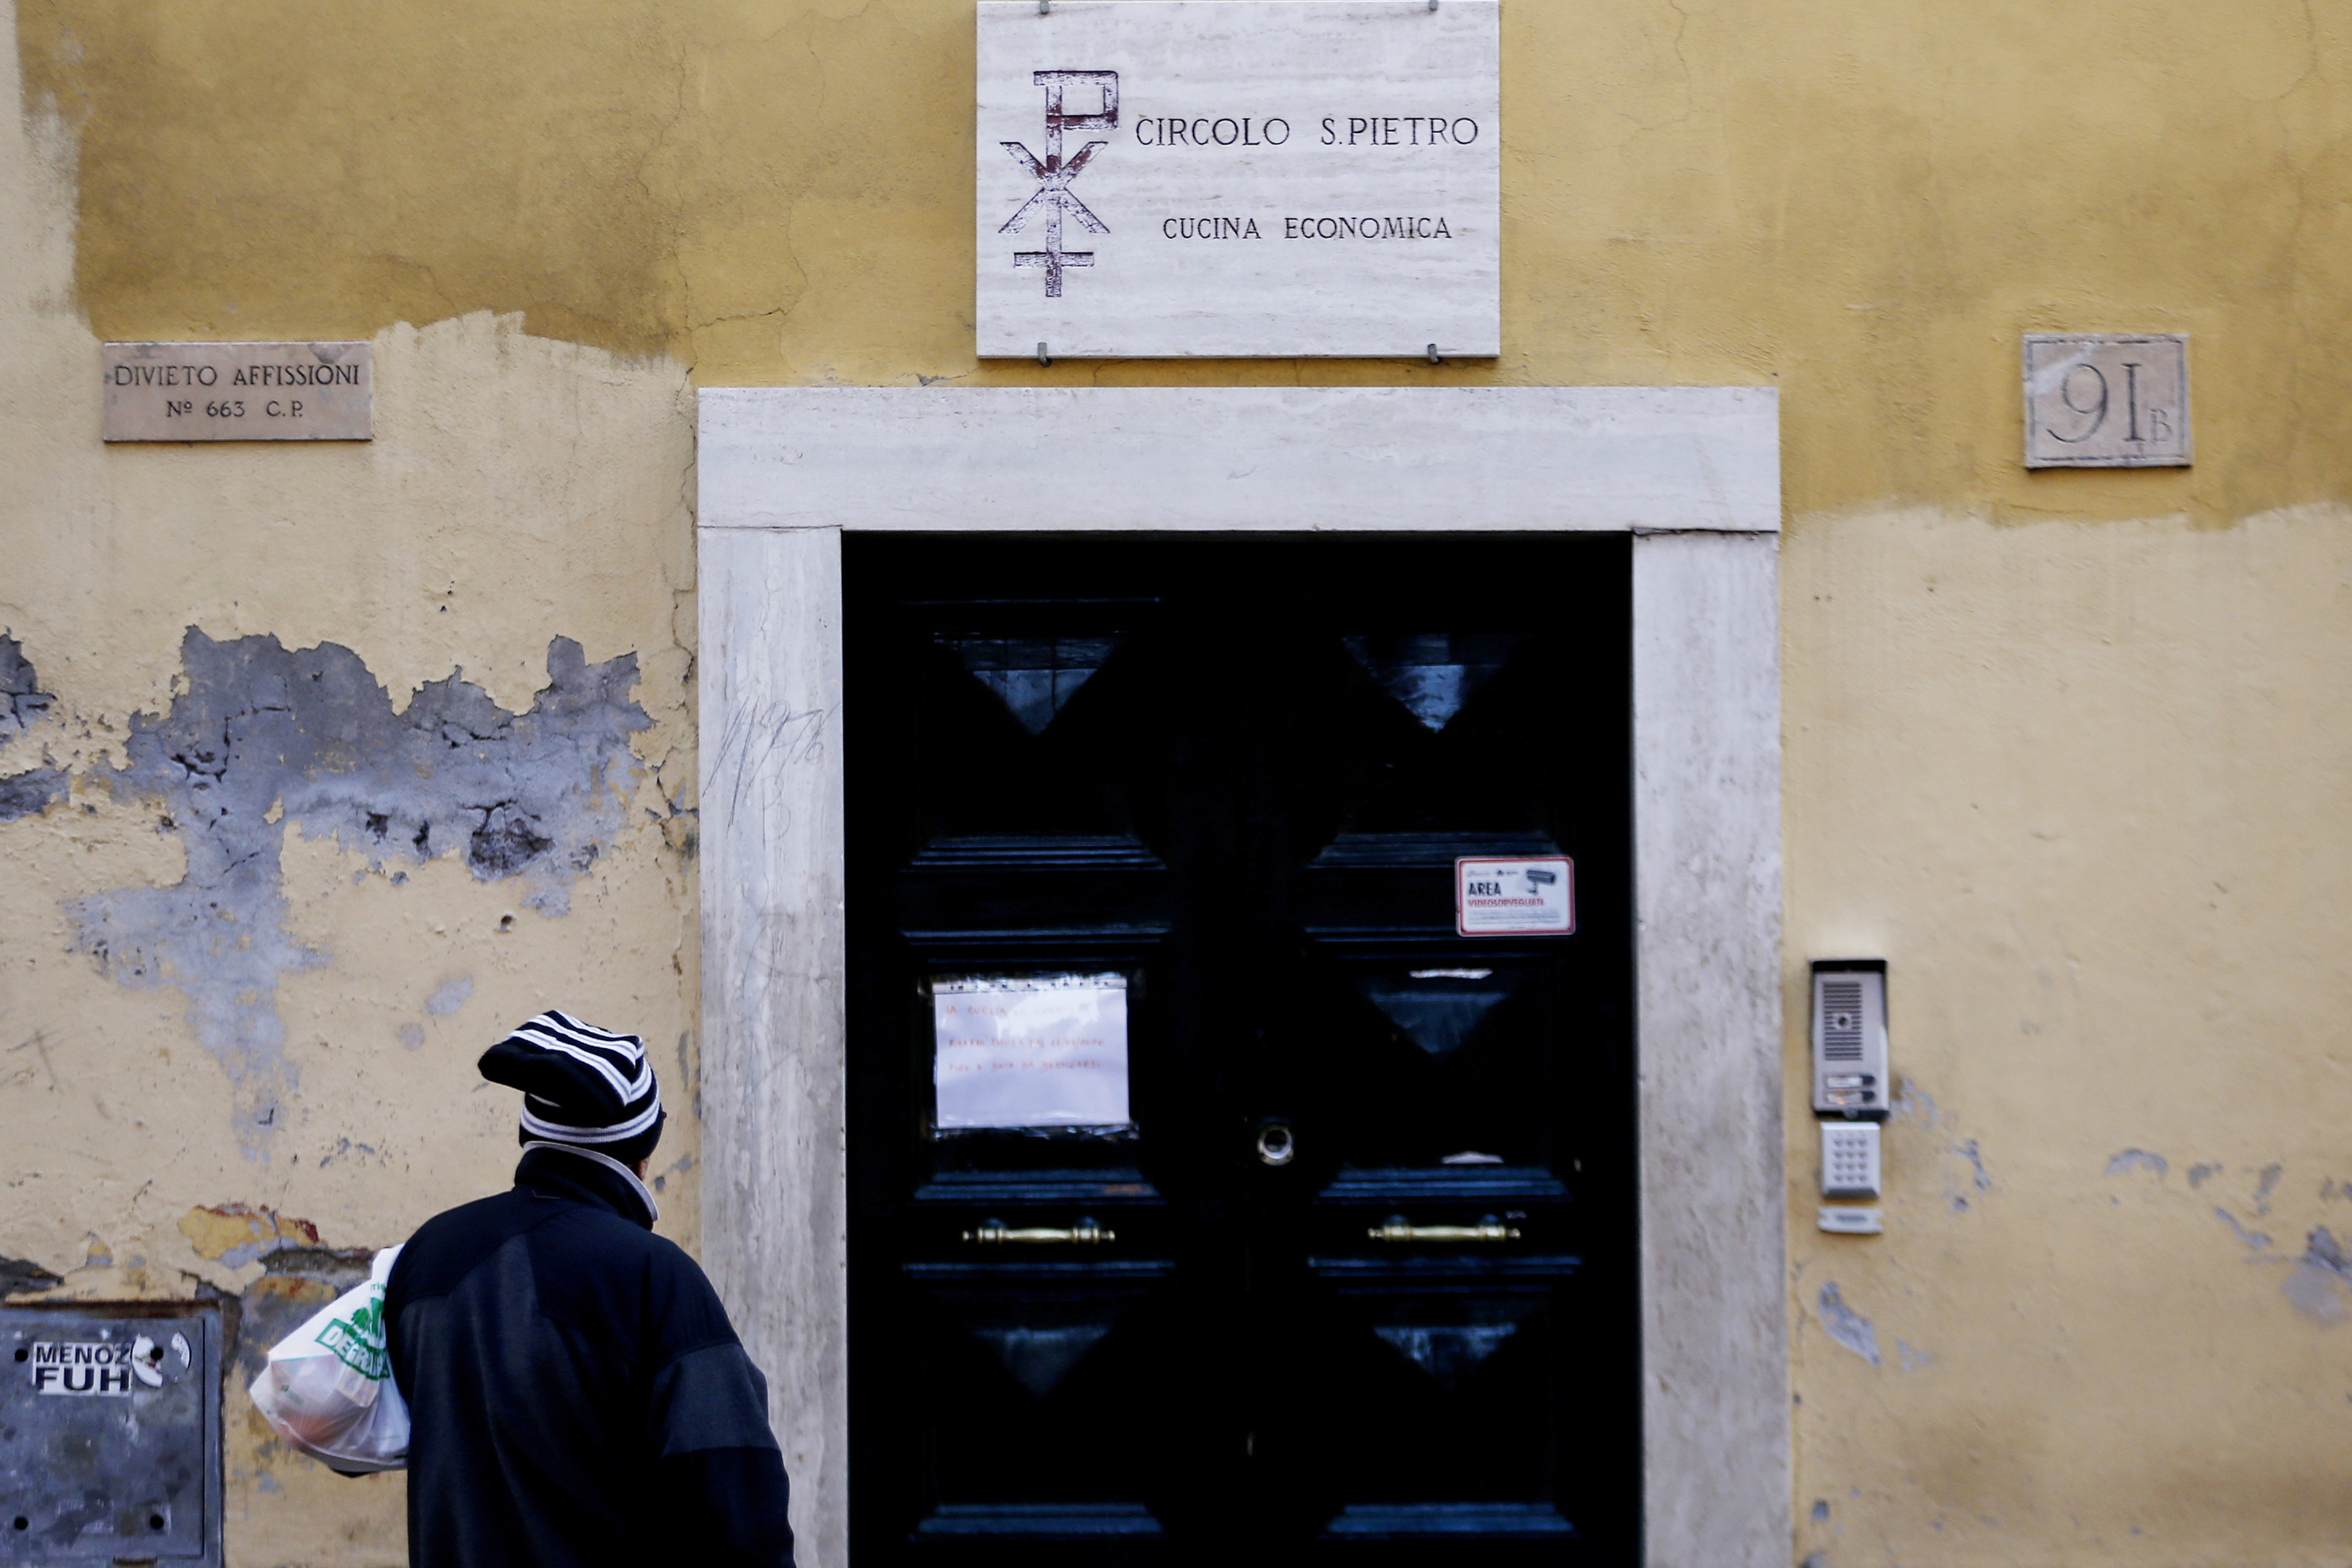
22	701
1915	1104
1912	1357
2132	1160
2269	1181
2199	1174
21	704
19	1275
2253	1239
30	793
2322	1279
412	1035
537	794
450	997
295	1283
1968	1152
1846	1325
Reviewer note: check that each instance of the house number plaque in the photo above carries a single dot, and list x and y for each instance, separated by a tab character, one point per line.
2106	402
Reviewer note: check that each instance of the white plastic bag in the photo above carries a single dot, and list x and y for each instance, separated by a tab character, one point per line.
328	1387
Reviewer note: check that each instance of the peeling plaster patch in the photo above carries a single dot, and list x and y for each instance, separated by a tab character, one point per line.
237	1234
299	1281
2199	1174
22	701
1821	1511
2269	1181
1911	1359
31	793
1847	1327
1978	1176
450	997
21	704
337	1268
2253	1239
1915	1104
263	735
683	1164
19	1275
2131	1160
2322	1280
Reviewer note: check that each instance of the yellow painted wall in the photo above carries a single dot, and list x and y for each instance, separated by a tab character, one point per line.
2067	747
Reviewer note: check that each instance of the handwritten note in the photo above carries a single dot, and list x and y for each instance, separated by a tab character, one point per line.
1031	1050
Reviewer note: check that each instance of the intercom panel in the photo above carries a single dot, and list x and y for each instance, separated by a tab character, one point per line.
1850	1077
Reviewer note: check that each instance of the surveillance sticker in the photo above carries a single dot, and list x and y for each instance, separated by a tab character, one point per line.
1515	897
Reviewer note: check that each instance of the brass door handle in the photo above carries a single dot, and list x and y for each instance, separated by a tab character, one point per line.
1084	1233
1488	1230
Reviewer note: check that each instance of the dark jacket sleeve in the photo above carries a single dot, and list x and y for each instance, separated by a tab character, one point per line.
715	1464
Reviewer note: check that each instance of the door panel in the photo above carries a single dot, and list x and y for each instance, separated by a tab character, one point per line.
1356	1281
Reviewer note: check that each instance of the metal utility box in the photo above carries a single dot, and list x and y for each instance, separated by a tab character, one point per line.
109	1436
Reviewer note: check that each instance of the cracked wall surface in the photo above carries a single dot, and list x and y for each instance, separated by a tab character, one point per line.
320	767
1862	206
2066	749
2107	1320
261	738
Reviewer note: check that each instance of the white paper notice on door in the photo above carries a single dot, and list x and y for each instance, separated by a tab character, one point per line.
1030	1050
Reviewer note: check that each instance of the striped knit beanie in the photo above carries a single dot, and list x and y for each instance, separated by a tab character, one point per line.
580	1086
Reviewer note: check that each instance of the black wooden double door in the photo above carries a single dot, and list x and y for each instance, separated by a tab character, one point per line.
1352	1278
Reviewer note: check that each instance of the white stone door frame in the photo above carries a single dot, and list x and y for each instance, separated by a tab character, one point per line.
1693	473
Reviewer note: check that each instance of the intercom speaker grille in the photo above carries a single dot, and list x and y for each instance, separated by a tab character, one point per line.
1842	1020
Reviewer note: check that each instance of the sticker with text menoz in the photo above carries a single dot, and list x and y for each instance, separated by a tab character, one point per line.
65	1367
1530	897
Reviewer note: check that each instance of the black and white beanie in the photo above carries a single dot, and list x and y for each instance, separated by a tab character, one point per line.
581	1086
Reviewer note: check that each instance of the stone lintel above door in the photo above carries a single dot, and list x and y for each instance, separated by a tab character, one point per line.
1141	459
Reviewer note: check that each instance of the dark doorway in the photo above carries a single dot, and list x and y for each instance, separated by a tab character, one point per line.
1345	1271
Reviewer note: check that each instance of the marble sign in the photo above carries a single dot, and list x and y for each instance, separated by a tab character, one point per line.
1174	178
2106	402
238	392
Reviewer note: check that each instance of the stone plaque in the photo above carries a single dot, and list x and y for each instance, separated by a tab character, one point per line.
240	391
2105	401
1168	178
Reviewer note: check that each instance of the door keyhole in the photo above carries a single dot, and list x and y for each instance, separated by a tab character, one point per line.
1274	1145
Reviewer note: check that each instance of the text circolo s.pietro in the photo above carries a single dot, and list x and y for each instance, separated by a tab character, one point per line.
1401	131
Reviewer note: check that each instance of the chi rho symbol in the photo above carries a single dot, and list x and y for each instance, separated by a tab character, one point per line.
1052	199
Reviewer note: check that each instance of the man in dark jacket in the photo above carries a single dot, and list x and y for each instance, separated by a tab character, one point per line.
576	1394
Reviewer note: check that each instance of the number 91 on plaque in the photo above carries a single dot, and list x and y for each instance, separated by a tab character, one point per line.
2106	402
